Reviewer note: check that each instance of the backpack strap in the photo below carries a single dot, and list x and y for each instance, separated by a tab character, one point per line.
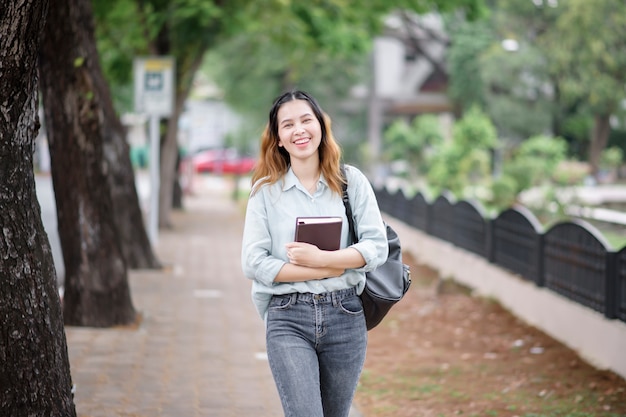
346	203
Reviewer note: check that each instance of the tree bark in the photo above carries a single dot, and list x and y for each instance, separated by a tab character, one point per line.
35	376
599	140
169	147
134	241
168	173
96	280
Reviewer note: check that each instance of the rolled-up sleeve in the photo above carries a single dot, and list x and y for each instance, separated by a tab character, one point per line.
256	260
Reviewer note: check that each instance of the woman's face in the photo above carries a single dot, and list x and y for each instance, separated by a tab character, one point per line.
299	131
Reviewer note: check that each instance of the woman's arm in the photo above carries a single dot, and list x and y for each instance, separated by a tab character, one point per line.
291	272
257	258
307	262
308	255
372	237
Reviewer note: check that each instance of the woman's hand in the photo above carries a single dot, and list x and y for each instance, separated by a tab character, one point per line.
308	262
305	254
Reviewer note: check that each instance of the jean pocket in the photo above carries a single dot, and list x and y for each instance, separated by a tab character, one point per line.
351	305
281	302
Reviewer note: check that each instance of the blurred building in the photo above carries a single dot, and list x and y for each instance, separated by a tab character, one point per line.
410	74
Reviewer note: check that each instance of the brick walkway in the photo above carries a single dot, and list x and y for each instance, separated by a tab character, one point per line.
199	350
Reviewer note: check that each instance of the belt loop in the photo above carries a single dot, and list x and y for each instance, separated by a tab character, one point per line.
294	298
333	296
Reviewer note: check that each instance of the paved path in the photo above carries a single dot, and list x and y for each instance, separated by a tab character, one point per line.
200	349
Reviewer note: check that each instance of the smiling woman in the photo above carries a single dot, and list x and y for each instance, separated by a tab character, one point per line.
299	132
309	298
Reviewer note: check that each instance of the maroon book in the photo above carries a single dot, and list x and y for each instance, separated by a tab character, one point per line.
323	232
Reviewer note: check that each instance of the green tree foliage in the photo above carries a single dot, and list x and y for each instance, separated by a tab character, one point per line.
594	64
256	73
299	30
414	142
565	76
469	41
445	171
534	163
400	140
186	29
530	24
119	39
519	94
504	191
510	83
475	130
251	72
611	158
464	163
320	46
183	29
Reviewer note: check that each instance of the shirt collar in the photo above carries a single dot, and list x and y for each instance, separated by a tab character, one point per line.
290	180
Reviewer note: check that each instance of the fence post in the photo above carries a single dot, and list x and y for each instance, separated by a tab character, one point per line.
611	285
541	245
490	249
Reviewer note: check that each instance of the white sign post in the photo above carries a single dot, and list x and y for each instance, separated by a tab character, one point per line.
154	96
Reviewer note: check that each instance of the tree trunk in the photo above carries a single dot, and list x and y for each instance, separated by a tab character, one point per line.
168	173
599	140
169	147
35	377
188	61
96	280
134	241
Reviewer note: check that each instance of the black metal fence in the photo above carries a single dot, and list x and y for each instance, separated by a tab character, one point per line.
571	258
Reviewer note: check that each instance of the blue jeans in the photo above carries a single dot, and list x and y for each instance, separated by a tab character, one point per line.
316	347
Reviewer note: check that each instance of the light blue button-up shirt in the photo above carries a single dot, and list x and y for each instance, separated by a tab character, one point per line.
271	223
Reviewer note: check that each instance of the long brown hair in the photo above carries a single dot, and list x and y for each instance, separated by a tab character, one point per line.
274	160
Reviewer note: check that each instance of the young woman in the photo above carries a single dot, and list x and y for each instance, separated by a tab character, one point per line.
315	327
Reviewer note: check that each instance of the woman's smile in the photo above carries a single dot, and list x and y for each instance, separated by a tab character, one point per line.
299	131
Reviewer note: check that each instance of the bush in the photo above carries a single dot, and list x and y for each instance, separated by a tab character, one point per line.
536	161
504	192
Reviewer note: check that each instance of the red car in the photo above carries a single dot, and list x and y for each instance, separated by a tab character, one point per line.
220	161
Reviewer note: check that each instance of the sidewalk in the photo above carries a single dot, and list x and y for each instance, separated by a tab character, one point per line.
200	348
